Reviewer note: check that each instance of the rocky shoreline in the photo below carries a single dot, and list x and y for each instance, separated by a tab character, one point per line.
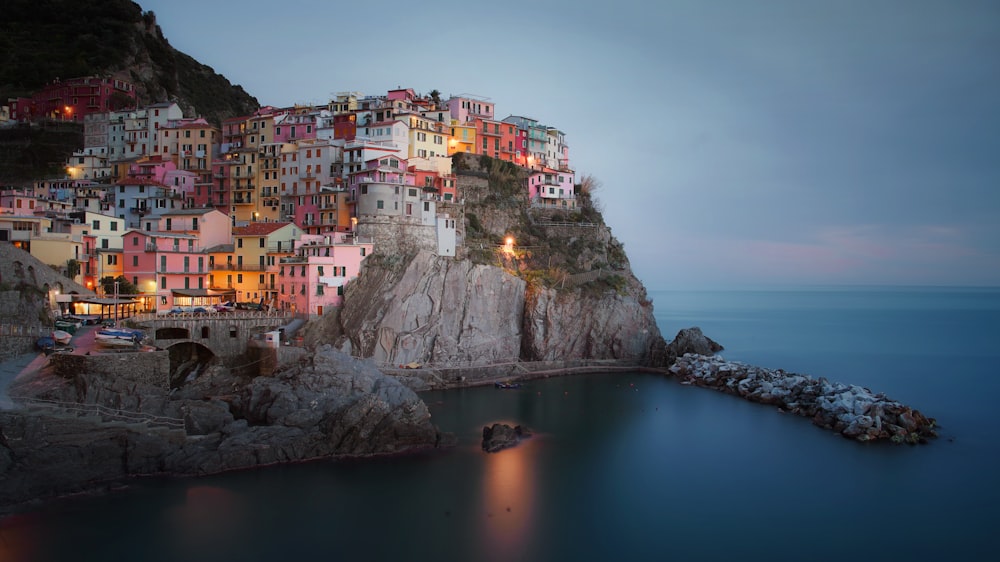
82	434
852	411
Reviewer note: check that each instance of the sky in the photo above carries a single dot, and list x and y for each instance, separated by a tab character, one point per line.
737	143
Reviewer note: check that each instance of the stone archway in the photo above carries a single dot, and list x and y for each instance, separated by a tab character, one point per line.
172	333
188	360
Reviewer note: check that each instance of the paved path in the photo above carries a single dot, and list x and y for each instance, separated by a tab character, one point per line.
28	364
12	368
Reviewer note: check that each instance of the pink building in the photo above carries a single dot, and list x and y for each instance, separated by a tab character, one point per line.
313	280
170	265
552	188
466	108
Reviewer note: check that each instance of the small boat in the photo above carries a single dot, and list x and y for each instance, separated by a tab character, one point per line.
499	384
118	337
61	337
66	325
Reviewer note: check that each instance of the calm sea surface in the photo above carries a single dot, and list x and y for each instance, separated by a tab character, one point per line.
626	466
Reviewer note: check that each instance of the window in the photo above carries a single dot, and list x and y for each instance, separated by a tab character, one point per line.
379	204
262	242
135	240
239	277
135	261
97	225
319	289
239	242
114	226
163	282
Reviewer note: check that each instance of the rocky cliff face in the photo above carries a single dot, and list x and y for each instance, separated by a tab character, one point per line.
446	313
434	311
320	405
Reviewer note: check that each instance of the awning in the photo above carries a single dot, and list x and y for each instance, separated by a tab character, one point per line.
203	292
122	299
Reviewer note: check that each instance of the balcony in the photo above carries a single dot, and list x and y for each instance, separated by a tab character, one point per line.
238	267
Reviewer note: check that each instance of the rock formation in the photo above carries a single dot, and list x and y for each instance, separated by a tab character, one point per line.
502	436
454	313
321	405
852	411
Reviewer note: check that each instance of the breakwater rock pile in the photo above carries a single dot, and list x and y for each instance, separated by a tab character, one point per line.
850	410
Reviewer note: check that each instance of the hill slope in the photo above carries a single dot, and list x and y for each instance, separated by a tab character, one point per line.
41	40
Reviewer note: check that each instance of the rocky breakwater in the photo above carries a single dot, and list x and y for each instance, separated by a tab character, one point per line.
317	406
850	410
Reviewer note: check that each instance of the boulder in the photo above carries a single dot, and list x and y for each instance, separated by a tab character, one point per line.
691	340
501	436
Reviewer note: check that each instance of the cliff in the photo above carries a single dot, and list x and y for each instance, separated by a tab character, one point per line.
564	292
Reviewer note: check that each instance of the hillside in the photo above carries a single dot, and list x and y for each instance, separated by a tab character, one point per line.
41	40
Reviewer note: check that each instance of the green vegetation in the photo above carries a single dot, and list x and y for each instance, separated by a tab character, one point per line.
567	249
41	40
72	268
125	287
32	152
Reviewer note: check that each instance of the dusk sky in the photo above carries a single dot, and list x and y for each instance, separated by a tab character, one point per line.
738	144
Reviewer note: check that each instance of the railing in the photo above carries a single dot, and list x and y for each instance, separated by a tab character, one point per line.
106	413
237	267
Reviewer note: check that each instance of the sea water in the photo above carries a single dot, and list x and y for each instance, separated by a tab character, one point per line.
625	466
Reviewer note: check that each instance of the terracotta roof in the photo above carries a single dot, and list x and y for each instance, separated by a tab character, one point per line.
258	228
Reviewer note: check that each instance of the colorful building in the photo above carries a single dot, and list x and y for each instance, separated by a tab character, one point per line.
257	248
74	99
313	280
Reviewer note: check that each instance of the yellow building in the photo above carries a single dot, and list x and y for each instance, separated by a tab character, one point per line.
257	249
463	138
426	137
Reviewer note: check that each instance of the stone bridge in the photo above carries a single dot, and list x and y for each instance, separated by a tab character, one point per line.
225	336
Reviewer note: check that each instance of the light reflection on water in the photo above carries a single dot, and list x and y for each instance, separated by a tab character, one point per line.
509	497
210	519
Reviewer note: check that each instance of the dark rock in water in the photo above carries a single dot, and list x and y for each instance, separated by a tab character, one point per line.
501	436
691	340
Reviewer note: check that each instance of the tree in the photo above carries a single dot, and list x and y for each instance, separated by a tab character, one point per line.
125	287
436	97
72	268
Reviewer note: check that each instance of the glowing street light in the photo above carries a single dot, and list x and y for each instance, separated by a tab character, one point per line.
508	245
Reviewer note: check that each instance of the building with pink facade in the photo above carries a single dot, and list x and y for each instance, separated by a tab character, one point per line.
312	282
551	188
170	265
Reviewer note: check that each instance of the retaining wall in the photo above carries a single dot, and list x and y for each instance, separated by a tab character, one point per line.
146	367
